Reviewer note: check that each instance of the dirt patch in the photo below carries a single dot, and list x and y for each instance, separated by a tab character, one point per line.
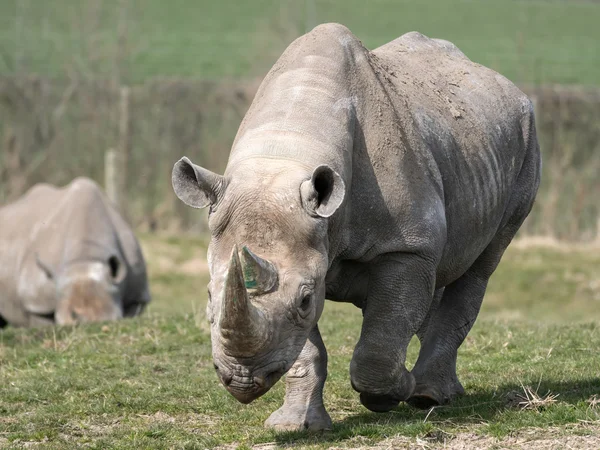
577	436
574	436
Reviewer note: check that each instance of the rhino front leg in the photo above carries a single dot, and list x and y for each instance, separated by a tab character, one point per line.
400	294
303	405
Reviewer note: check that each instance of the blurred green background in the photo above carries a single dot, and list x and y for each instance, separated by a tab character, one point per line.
156	80
529	41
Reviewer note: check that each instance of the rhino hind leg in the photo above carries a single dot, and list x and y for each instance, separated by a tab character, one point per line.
303	407
449	322
450	319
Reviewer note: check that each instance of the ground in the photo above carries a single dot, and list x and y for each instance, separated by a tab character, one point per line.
529	367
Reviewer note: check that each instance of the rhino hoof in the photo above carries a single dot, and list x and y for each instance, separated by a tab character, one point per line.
425	397
291	419
378	403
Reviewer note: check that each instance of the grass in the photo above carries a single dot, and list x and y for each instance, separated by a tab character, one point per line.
529	41
149	382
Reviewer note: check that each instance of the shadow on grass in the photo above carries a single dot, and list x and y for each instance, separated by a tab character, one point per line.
472	409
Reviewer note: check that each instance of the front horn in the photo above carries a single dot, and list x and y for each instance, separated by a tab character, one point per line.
242	324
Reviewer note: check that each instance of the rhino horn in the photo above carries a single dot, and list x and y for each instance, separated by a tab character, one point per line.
242	324
260	275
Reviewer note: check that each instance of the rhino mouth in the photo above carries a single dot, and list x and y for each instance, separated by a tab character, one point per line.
246	386
248	389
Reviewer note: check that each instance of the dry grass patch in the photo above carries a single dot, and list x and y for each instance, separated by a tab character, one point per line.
529	398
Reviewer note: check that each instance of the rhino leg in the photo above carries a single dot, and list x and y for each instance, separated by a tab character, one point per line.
303	405
448	323
400	294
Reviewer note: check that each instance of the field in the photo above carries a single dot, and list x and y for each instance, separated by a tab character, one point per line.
529	41
149	382
530	366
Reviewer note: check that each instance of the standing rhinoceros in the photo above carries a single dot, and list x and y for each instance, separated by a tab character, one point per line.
67	256
391	179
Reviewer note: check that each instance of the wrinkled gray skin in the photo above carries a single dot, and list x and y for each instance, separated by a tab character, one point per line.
391	179
67	256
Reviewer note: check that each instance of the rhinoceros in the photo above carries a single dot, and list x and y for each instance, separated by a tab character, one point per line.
67	256
393	179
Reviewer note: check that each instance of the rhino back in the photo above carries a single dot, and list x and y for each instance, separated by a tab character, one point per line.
473	120
477	126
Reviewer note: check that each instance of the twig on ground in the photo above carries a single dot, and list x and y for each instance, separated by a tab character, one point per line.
530	399
593	401
428	413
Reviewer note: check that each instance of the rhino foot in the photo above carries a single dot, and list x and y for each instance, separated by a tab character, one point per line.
378	403
298	419
426	396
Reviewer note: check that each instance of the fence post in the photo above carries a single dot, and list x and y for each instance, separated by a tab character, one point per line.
123	150
111	177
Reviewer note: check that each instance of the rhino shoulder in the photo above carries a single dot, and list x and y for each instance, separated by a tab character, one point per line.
83	184
85	193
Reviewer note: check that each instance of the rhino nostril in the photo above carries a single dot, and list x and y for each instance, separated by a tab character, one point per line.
260	381
74	315
267	379
215	367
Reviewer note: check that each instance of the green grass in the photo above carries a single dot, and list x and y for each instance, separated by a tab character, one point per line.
149	382
529	41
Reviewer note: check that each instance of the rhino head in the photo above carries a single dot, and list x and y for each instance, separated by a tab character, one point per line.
268	257
84	291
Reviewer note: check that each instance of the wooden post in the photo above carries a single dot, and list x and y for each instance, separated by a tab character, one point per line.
124	148
111	178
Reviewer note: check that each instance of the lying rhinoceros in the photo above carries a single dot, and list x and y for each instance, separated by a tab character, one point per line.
391	179
67	256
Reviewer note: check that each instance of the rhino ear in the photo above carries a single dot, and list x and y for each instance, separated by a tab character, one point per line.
323	193
194	185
